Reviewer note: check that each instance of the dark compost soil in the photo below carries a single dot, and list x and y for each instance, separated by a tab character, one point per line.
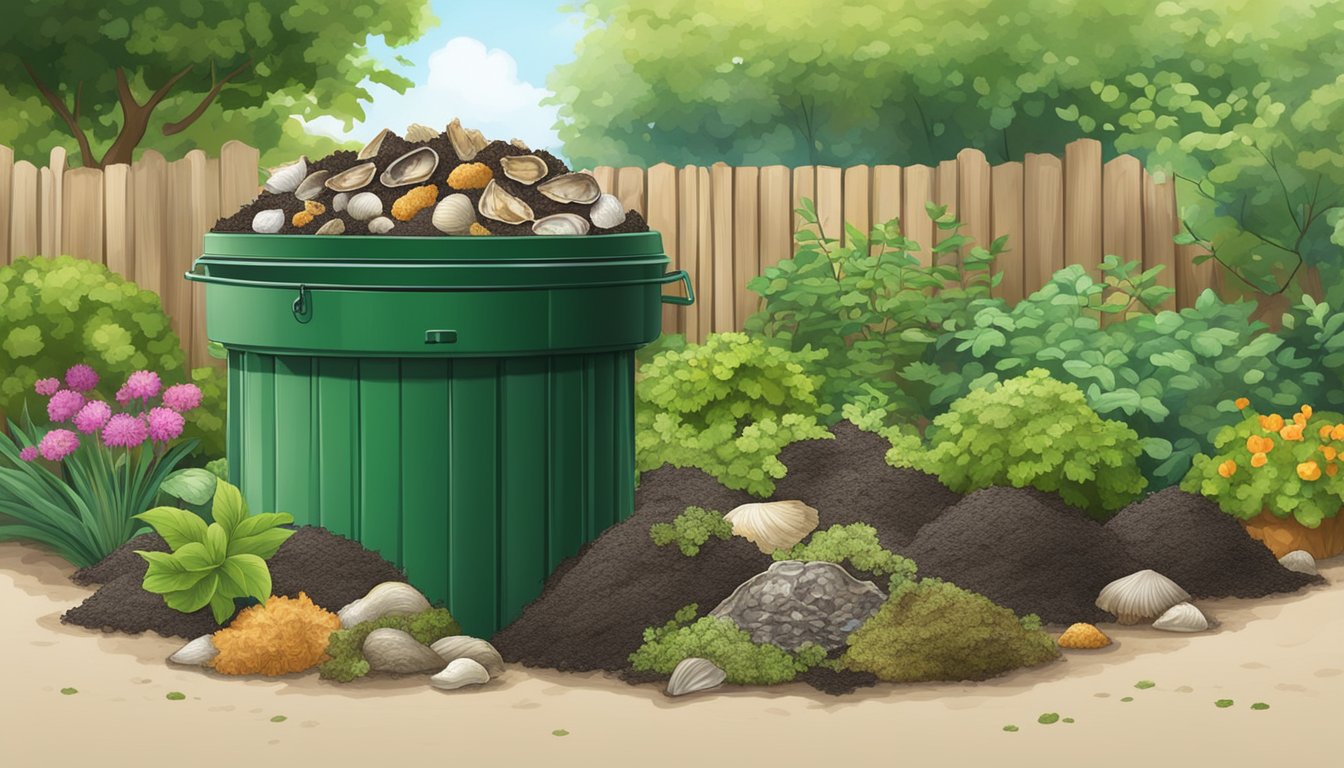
1024	550
1188	539
330	569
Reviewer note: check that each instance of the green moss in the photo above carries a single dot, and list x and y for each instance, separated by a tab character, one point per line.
932	630
175	696
1010	728
69	691
560	732
1067	720
1259	705
1128	698
1223	703
721	641
856	544
691	529
1049	718
1144	685
279	719
346	646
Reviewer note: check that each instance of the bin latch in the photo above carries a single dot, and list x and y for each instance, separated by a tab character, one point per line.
440	337
303	311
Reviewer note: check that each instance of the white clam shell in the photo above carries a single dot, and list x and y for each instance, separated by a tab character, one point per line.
381	225
391	598
561	224
338	201
1300	561
773	525
499	205
198	652
454	215
312	185
456	647
268	222
466	142
353	178
607	212
524	169
1182	617
395	651
286	178
370	150
364	206
417	133
460	673
411	168
693	675
332	227
572	188
1141	596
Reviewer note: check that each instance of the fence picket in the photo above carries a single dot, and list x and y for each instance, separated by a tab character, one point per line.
886	197
1006	218
1043	205
1082	204
6	200
776	212
688	237
918	193
1160	225
119	240
746	243
82	226
973	197
149	182
25	212
858	199
662	217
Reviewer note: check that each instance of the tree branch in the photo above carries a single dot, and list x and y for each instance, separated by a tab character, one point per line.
181	125
163	90
71	121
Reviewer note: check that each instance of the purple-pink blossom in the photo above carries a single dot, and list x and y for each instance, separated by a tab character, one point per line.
142	385
81	378
182	397
29	453
47	387
165	424
92	416
64	404
125	430
57	444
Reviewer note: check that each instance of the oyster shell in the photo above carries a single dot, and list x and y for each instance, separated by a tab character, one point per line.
338	201
333	227
1142	595
417	133
466	141
381	225
411	168
454	215
1300	561
499	205
1182	617
312	185
460	673
561	224
391	598
370	150
395	651
519	143
198	652
524	169
364	206
572	188
773	525
607	212
693	675
456	647
352	178
286	178
268	222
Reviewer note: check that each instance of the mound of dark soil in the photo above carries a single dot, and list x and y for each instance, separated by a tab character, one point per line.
836	683
1024	552
594	609
1188	539
848	480
330	569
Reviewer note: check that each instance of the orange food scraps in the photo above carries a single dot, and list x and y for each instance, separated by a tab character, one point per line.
477	229
1271	423
1258	460
1227	468
415	201
1309	470
1242	403
1083	636
1291	431
285	635
470	176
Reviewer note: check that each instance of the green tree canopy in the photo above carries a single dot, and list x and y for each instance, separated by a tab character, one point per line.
115	77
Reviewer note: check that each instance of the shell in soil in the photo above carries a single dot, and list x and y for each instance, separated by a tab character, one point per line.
330	569
1188	539
420	225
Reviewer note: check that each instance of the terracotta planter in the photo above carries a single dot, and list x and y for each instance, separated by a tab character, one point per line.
1284	534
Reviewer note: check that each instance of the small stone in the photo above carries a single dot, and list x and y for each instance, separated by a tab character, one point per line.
1299	561
460	673
395	651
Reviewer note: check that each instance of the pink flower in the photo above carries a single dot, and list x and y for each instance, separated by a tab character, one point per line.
123	395
165	424
142	385
64	404
47	387
81	378
29	453
92	416
57	444
182	397
126	430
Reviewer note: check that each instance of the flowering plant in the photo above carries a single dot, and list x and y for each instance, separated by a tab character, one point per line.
1286	466
77	484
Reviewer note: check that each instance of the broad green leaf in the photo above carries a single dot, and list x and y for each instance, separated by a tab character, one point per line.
195	597
165	574
264	521
193	485
178	527
221	607
229	507
263	544
194	556
247	575
216	543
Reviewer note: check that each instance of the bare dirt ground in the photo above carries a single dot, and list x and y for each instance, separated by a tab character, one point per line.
1287	652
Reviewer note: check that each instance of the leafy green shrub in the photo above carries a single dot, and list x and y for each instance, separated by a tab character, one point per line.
727	407
1038	432
870	303
346	646
691	529
931	630
722	642
856	544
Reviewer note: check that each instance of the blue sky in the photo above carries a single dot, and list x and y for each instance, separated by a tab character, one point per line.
486	62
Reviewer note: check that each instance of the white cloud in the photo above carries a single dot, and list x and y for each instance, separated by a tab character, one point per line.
466	80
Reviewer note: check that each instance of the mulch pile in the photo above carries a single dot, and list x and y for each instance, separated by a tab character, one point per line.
330	569
1188	539
393	147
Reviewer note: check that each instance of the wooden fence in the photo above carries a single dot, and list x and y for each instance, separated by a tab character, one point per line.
724	225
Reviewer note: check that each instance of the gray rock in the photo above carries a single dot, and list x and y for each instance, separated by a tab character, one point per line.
394	651
813	602
1300	561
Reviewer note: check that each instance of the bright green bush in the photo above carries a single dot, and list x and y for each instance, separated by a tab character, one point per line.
346	646
931	630
1038	432
722	642
727	407
691	529
856	544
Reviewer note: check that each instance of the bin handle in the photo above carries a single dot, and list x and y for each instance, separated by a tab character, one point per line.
685	277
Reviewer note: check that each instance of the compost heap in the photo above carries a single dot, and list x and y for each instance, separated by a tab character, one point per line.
449	183
332	570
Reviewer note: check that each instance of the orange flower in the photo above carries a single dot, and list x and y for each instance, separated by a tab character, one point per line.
1291	432
1330	452
1271	423
1300	419
1306	411
1242	402
1258	444
1258	460
1337	433
1332	469
1227	468
1309	470
1325	431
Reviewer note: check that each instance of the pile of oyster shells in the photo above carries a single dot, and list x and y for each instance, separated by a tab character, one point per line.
420	170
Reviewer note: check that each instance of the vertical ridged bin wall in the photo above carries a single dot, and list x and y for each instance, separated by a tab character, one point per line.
466	472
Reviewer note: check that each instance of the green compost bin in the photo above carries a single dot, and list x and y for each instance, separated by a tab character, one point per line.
462	406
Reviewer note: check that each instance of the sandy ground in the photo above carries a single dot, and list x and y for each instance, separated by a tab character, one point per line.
1284	651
